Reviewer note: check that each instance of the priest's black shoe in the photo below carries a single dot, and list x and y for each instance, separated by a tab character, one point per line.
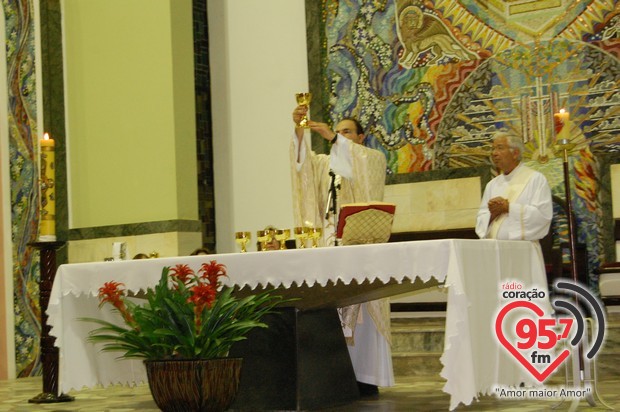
367	389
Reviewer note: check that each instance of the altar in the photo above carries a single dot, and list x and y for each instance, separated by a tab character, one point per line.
322	278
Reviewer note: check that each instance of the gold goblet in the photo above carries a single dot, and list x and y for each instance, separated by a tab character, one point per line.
303	99
315	235
264	237
301	234
282	236
242	239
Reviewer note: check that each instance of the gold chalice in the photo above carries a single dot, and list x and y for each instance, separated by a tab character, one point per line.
264	237
301	234
303	99
242	239
282	236
315	235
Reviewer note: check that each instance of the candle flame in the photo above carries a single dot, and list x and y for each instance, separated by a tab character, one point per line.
562	111
46	136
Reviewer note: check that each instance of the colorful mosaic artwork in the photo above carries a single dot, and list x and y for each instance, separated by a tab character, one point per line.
22	111
433	80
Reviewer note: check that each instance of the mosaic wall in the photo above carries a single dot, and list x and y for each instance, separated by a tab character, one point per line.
19	15
433	80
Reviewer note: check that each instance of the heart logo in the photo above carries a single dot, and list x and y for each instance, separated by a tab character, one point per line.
527	363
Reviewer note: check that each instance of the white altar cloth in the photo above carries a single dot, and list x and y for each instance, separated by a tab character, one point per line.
471	269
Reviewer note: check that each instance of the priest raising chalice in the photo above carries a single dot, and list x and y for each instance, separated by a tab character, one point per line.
350	173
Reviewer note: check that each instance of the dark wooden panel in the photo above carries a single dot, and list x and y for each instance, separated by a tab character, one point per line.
464	233
418	306
300	362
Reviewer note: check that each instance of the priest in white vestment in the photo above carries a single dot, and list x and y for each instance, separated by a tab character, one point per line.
360	177
516	205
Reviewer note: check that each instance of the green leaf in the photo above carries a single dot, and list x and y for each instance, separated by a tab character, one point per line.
164	324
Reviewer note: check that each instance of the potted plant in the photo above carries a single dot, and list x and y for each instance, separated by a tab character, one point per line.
183	330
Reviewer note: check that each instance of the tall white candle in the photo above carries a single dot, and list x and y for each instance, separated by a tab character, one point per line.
561	124
47	225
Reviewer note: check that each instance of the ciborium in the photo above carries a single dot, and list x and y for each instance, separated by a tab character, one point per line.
303	99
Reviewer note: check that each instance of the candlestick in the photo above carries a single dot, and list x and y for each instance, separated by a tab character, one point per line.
49	352
561	124
47	226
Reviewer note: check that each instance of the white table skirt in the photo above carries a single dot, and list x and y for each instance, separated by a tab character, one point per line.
471	269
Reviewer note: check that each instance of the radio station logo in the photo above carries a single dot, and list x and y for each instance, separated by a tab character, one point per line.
538	340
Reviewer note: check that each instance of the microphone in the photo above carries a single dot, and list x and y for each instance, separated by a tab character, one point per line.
331	200
331	195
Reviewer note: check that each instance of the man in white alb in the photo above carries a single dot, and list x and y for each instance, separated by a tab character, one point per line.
360	177
516	205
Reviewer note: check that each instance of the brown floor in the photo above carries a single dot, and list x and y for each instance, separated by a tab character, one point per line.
410	394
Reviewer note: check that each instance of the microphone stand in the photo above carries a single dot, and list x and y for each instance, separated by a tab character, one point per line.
332	200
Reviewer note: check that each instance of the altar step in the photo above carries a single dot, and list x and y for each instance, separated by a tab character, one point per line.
417	345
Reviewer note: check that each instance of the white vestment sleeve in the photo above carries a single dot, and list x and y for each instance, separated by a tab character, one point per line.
484	215
301	151
308	176
340	158
529	216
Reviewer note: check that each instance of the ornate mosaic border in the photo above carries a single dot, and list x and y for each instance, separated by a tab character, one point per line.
22	110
